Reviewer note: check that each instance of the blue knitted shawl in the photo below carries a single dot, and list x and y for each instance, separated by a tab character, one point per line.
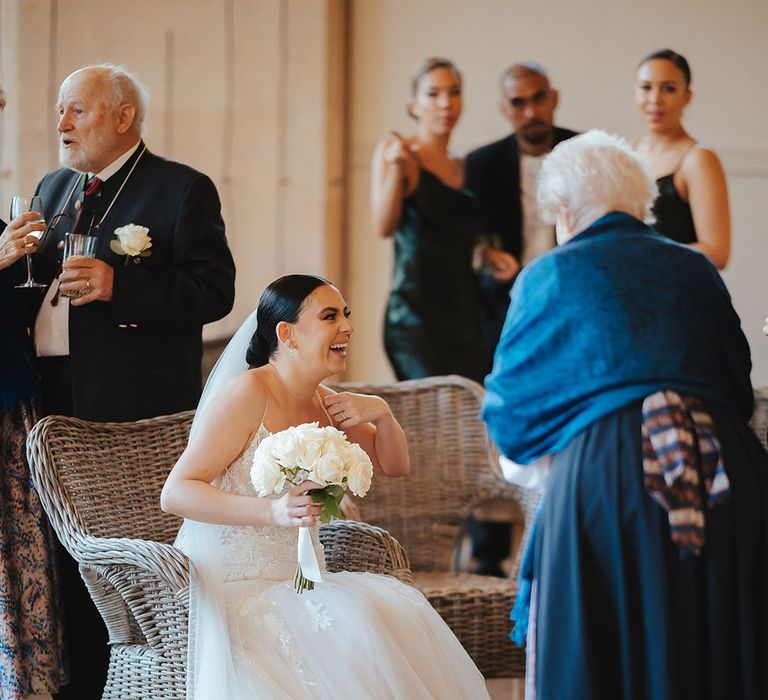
615	314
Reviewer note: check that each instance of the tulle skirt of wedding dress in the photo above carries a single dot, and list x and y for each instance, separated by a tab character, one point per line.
356	636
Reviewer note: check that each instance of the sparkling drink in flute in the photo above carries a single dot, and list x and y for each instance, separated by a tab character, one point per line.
20	205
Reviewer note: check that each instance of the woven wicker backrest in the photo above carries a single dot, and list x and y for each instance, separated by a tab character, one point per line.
452	468
106	477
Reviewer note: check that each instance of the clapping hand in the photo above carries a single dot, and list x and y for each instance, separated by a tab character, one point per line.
397	150
17	240
348	410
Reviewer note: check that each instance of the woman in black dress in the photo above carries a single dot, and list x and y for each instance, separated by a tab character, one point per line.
417	196
692	205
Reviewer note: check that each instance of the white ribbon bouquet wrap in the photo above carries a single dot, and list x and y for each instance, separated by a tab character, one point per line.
308	452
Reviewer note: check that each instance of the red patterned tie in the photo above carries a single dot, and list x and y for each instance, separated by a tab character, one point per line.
92	186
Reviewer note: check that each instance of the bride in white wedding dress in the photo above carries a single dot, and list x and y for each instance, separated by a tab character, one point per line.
356	636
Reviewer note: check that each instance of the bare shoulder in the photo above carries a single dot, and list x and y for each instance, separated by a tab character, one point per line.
243	398
702	159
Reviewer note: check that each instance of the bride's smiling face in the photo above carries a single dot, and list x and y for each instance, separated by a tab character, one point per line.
322	332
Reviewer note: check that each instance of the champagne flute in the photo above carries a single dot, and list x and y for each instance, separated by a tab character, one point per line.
20	205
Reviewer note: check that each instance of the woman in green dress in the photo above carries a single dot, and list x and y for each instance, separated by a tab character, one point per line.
417	197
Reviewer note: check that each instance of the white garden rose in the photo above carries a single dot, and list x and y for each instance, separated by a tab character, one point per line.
359	470
329	469
335	443
134	239
308	454
285	447
266	476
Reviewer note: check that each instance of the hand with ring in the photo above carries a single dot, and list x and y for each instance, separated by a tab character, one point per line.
89	277
348	410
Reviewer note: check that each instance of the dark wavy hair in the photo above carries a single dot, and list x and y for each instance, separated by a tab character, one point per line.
669	55
282	300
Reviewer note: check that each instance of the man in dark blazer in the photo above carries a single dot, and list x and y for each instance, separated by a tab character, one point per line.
503	177
130	346
493	173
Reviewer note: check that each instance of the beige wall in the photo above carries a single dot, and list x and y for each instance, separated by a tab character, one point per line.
591	49
254	93
240	90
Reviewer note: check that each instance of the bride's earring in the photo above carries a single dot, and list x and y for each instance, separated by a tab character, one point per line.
292	352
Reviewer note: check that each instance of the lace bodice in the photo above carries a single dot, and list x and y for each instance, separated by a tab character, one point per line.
267	553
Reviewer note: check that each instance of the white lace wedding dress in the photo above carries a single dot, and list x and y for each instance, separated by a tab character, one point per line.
356	636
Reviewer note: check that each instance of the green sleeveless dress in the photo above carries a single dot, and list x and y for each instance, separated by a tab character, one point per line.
431	325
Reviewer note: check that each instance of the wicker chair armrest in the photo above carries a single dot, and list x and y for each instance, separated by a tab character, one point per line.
168	563
354	546
141	588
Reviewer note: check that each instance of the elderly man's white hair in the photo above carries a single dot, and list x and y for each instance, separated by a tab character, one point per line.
591	175
124	87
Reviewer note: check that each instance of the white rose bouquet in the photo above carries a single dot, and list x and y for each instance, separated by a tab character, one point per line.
133	241
308	452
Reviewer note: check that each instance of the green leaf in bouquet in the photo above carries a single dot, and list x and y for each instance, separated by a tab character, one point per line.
318	496
336	491
332	506
325	517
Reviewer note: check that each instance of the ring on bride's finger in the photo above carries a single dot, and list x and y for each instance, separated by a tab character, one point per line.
87	285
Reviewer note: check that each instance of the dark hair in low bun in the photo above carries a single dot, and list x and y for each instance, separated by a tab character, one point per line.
282	300
675	58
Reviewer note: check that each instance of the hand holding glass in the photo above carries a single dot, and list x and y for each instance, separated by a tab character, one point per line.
20	205
77	245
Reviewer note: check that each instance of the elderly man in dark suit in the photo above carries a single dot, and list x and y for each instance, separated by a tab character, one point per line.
128	344
504	177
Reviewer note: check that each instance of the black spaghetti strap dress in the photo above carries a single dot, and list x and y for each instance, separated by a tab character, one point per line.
431	323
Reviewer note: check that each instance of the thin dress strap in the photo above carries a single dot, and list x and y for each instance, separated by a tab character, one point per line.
322	405
684	154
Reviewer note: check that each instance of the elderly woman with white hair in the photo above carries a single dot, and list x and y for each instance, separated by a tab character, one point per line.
623	358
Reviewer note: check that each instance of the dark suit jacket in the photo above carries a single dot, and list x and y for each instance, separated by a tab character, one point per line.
139	355
493	175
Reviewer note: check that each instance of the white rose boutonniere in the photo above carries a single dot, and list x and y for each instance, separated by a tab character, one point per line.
132	241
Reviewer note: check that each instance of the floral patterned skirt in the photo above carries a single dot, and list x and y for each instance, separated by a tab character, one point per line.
31	615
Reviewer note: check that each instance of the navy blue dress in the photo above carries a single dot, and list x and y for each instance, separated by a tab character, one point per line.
620	613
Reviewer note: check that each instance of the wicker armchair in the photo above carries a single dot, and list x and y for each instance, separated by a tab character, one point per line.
454	468
100	486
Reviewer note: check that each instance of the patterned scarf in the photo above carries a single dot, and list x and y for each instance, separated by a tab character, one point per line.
680	451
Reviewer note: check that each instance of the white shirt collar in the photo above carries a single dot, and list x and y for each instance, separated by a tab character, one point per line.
116	164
